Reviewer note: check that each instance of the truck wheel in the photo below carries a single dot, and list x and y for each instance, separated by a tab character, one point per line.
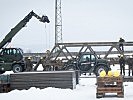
99	69
17	68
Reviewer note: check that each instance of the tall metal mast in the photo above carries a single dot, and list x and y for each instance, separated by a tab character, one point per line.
58	22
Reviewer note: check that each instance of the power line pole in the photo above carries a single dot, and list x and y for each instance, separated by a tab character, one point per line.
58	22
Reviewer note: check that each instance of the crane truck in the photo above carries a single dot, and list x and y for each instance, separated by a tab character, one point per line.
12	58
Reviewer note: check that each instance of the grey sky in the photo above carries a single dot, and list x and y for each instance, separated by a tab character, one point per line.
83	21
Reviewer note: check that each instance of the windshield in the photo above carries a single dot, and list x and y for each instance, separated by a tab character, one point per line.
87	57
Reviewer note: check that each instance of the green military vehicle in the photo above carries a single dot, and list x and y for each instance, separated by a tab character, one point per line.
88	63
12	58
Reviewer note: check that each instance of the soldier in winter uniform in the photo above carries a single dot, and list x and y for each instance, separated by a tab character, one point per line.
121	44
130	65
29	64
122	64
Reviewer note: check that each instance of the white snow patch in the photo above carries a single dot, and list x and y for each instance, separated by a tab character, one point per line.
85	90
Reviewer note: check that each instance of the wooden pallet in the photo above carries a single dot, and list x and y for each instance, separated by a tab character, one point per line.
109	85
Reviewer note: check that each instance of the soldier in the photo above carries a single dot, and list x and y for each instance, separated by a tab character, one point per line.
29	64
130	65
121	44
122	64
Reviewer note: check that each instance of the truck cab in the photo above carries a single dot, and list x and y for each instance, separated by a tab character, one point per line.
11	59
11	54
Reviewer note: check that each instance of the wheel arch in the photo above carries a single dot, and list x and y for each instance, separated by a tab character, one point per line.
19	63
102	65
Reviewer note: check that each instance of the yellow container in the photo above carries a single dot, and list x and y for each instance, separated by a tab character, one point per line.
110	73
116	73
102	73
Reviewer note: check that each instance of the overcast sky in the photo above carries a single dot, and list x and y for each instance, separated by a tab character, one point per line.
83	21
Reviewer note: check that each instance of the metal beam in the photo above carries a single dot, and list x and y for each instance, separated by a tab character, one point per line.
58	22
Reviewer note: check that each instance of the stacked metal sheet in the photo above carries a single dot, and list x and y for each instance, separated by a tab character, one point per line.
128	79
57	79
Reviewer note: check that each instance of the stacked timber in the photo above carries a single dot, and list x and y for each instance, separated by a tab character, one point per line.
57	79
110	85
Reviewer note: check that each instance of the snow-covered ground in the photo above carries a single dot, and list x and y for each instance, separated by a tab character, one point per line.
85	90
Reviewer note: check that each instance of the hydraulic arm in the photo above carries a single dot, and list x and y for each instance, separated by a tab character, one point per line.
20	25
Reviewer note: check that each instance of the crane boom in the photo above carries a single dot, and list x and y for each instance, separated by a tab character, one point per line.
12	58
20	25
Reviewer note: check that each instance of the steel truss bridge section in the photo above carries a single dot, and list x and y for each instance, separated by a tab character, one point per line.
103	48
66	51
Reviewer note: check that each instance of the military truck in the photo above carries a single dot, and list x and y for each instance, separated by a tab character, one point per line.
88	63
12	58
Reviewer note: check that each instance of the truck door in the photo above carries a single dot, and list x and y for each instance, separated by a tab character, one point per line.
4	55
85	62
